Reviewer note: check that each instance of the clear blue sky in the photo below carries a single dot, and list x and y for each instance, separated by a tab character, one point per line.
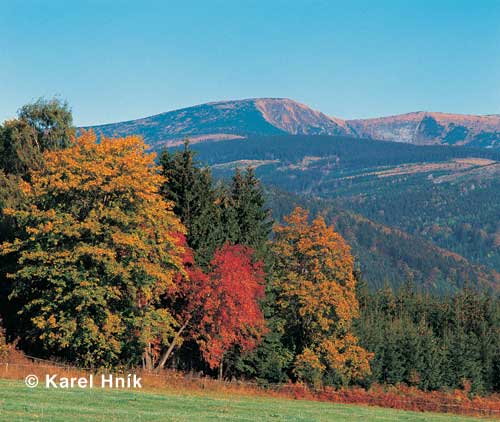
118	60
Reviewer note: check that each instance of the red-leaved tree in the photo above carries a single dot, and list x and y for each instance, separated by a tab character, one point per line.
220	309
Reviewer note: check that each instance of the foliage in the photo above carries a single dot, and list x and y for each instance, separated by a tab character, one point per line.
315	295
220	308
230	312
190	189
212	215
41	126
248	206
430	342
98	247
271	361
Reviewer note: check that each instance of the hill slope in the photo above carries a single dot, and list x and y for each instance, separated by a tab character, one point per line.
426	213
424	128
238	119
229	120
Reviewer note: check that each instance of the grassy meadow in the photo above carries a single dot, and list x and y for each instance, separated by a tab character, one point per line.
19	403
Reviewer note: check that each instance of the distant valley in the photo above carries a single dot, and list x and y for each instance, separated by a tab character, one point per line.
429	213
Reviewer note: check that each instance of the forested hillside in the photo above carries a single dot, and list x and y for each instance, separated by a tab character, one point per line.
386	198
461	215
391	257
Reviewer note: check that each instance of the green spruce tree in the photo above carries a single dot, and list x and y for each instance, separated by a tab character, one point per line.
190	188
253	219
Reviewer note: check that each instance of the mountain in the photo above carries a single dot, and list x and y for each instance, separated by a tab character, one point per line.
418	209
426	128
229	120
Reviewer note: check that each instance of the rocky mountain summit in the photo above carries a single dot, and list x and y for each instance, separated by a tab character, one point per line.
225	120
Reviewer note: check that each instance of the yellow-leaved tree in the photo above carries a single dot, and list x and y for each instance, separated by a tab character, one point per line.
98	248
315	287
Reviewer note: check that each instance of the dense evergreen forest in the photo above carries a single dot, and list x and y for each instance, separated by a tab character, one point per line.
387	197
463	216
432	342
352	153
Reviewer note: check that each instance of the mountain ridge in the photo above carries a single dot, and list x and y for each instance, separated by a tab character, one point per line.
428	127
237	119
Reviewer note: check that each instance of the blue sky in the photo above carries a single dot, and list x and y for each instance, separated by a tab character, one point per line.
119	60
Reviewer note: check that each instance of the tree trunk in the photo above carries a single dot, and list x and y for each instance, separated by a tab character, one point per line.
220	370
168	352
147	359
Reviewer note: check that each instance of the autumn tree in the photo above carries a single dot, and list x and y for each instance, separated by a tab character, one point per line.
220	309
314	285
41	126
98	248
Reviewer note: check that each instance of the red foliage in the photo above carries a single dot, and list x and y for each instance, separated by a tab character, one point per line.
222	306
231	314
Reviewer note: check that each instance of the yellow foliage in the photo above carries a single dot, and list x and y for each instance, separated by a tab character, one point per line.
100	245
315	288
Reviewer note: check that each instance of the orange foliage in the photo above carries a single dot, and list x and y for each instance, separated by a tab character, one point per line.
315	288
100	248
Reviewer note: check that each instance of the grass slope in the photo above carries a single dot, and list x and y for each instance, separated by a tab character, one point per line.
19	403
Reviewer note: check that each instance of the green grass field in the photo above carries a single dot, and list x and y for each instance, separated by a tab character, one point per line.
19	403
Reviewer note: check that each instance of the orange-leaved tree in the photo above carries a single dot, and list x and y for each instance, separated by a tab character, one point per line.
314	285
98	248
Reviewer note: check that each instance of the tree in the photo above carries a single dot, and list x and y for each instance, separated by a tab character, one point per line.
52	120
190	188
215	215
4	348
220	309
315	293
41	126
252	218
98	248
231	312
432	342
